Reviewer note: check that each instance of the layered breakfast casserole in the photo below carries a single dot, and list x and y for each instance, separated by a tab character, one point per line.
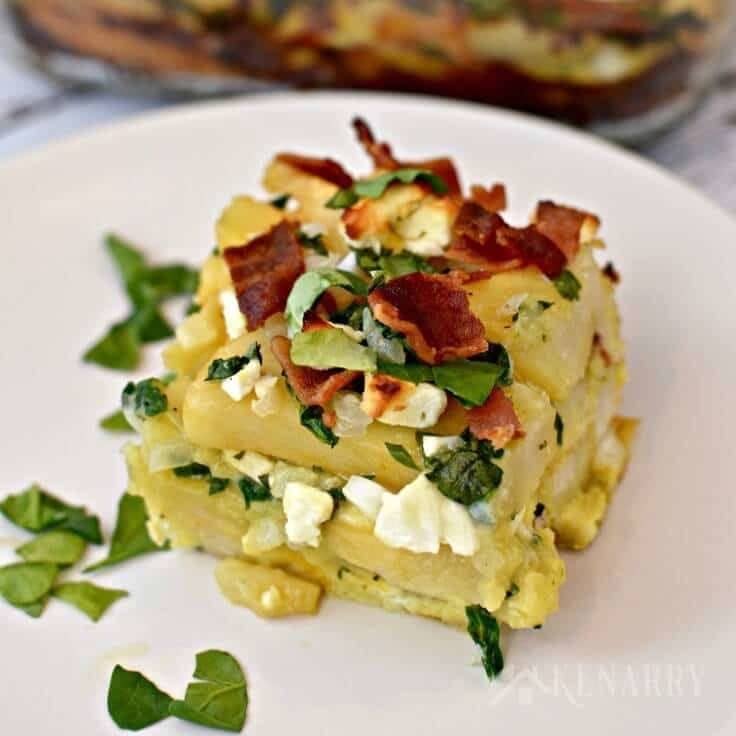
582	60
388	393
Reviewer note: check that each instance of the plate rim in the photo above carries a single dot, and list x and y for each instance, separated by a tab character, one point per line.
169	114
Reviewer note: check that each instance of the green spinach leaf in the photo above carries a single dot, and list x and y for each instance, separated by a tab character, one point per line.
375	188
134	702
219	697
36	511
311	285
222	368
130	537
92	600
467	473
57	547
484	631
26	583
311	418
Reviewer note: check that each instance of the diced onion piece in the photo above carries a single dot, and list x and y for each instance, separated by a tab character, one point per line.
249	463
352	421
266	401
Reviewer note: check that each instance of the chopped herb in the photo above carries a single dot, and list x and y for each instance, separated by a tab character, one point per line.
392	264
413	372
222	368
57	547
92	600
281	201
374	188
401	455
538	510
331	348
376	578
311	285
313	242
218	485
130	537
469	380
567	285
27	583
513	590
337	496
219	698
118	349
134	702
193	470
255	490
146	288
193	308
352	316
311	418
36	511
341	571
145	399
484	631
543	305
116	422
466	474
559	428
498	354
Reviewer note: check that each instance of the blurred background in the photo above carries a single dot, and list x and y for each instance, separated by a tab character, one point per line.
656	75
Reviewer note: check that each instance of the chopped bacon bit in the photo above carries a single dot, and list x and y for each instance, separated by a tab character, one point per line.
484	238
492	199
610	272
434	314
564	225
324	168
263	272
496	420
313	387
383	158
318	317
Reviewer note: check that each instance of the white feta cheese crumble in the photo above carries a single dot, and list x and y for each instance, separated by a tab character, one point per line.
420	407
419	518
306	508
237	387
432	444
249	463
234	318
266	401
457	528
410	519
366	494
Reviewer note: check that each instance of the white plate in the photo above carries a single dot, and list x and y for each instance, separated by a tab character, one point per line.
645	634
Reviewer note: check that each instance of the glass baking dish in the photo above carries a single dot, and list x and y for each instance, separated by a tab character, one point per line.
624	68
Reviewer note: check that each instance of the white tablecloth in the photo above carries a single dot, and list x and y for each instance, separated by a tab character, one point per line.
33	112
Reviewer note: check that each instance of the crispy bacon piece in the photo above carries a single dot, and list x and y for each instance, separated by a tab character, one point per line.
263	272
496	420
313	387
492	199
565	226
434	314
484	238
383	158
324	168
